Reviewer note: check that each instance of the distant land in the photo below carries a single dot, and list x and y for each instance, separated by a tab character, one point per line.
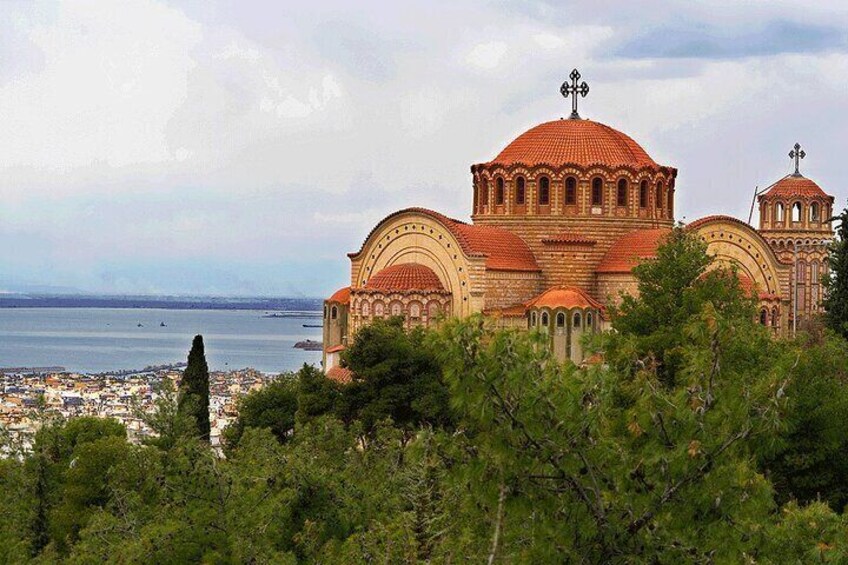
163	302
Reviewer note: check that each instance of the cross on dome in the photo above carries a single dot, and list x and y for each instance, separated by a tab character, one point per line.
797	153
573	90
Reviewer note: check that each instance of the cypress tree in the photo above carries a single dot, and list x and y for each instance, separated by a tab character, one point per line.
194	389
836	302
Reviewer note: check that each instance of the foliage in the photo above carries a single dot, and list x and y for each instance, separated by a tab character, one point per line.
836	282
396	376
273	407
194	389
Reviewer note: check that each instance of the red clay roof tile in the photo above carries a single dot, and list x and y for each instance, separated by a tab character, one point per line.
405	277
565	297
579	142
795	186
631	249
342	296
340	375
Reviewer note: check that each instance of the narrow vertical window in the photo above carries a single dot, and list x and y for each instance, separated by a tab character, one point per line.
796	212
764	317
621	196
659	195
484	193
570	191
643	194
544	191
597	191
814	212
499	191
576	322
519	190
778	212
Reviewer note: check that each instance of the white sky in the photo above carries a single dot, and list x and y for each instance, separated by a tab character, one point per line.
245	147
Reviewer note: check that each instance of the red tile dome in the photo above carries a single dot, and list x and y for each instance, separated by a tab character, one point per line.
583	143
405	277
794	186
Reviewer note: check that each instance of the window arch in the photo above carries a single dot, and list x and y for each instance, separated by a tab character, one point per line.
545	319
415	310
499	191
433	310
378	309
796	212
571	191
532	319
814	272
659	199
519	190
576	321
484	193
774	317
334	313
814	212
778	212
597	191
764	317
560	320
802	272
621	195
544	191
397	309
643	194
589	320
366	308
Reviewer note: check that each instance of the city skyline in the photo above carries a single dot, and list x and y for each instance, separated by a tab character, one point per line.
209	148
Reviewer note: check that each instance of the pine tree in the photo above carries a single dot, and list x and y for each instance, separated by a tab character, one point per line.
836	302
194	389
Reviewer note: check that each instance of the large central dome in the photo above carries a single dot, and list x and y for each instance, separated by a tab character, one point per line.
583	143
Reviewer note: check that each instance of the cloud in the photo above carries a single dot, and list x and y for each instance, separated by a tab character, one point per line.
487	55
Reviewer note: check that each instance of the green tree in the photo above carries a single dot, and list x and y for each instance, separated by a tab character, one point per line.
194	389
673	288
397	376
273	407
836	282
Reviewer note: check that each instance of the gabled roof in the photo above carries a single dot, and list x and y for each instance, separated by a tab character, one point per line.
503	250
631	249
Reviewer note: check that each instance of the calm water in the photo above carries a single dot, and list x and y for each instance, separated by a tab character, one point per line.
104	339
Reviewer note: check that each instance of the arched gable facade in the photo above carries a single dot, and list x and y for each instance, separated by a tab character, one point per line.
734	243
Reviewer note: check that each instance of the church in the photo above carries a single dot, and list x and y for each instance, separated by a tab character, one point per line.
559	218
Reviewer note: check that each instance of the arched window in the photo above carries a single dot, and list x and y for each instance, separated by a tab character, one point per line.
519	190
764	317
589	320
643	194
484	193
560	320
334	313
576	321
796	212
814	272
433	310
659	195
571	191
778	212
544	191
774	317
802	272
597	191
621	195
814	212
366	308
499	191
545	319
325	311
532	319
414	310
378	310
397	309
670	207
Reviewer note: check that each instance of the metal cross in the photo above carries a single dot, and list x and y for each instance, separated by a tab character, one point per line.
797	153
573	90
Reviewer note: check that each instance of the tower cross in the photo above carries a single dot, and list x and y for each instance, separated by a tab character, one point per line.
573	90
797	153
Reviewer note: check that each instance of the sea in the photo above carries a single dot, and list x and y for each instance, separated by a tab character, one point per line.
98	340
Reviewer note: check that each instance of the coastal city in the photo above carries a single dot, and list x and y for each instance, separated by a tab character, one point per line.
32	396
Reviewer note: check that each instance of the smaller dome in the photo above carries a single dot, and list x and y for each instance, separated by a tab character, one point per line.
342	296
795	186
405	277
568	297
631	249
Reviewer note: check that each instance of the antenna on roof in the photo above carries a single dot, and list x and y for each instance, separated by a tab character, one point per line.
757	192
